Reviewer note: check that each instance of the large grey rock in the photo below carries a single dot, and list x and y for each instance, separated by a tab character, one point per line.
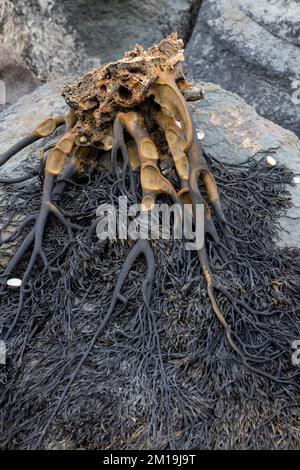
16	79
72	36
233	132
251	48
19	119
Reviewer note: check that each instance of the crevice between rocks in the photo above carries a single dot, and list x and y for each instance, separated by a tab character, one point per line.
193	15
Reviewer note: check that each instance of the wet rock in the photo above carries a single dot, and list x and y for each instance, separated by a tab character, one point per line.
19	119
251	48
16	79
232	131
69	37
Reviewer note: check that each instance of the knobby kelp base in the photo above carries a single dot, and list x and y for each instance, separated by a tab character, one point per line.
161	375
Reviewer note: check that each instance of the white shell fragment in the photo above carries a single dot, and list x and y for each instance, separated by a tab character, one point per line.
200	135
270	161
83	139
14	283
178	123
296	180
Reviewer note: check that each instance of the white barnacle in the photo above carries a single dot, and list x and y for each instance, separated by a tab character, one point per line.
200	135
83	139
270	161
14	283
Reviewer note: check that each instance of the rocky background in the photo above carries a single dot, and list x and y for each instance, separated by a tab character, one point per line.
250	48
61	38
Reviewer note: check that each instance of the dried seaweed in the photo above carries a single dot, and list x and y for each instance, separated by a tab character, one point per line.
162	376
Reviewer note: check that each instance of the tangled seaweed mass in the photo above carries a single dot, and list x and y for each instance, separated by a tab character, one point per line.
193	353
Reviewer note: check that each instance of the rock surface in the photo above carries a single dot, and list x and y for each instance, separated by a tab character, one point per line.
233	132
16	79
70	37
251	48
19	119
